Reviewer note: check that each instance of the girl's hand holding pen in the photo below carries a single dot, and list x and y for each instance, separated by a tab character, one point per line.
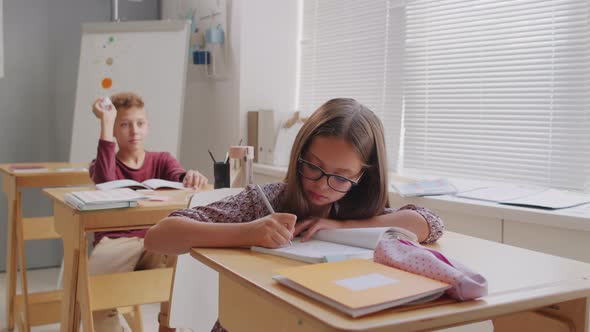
272	231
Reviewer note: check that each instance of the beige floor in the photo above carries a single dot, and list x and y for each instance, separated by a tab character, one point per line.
46	279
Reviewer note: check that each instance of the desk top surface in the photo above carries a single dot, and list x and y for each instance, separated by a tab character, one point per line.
43	169
519	280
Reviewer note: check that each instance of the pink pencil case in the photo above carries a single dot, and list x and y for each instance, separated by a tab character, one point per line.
412	257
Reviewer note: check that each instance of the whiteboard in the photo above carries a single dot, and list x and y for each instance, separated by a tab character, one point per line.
146	57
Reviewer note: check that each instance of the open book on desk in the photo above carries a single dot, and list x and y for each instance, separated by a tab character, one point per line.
147	184
331	245
103	199
359	287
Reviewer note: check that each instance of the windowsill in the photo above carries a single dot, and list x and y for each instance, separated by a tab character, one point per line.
577	218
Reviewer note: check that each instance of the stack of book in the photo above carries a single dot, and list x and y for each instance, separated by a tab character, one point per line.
103	199
345	278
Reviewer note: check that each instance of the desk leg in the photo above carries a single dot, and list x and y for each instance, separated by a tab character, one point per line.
8	185
570	316
68	226
11	267
22	262
83	293
242	309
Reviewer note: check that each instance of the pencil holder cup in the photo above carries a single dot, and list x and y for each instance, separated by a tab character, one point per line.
221	175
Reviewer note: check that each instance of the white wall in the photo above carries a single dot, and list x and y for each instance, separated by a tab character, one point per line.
260	73
211	119
268	57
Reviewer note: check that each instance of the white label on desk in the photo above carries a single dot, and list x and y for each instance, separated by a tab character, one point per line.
371	280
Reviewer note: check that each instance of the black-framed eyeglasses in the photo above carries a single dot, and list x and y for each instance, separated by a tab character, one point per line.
313	172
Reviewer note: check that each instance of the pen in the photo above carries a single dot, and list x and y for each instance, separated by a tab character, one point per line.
266	202
212	158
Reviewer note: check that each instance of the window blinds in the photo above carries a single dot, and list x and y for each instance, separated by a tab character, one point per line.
485	89
353	49
498	90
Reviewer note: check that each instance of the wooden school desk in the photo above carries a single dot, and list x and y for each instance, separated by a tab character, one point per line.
528	291
103	292
35	308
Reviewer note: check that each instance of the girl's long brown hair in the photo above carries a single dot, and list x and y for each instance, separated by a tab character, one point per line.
348	119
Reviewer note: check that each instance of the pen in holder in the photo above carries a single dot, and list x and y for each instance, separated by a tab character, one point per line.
240	165
221	174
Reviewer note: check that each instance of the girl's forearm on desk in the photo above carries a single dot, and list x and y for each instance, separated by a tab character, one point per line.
176	235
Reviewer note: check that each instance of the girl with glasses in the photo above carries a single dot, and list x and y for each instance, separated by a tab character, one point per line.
337	178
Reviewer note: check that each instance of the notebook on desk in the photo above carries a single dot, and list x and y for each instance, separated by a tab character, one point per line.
103	199
330	245
359	287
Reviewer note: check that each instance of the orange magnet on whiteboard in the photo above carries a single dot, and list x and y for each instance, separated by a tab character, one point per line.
107	83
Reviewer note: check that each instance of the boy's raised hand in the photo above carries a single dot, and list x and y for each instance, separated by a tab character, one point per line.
271	231
104	110
194	179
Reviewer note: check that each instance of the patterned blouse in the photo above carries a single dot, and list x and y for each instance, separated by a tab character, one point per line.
248	206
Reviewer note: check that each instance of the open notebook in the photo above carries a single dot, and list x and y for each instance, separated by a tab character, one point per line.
358	287
338	244
147	184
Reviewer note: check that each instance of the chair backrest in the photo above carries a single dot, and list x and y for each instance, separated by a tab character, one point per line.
193	279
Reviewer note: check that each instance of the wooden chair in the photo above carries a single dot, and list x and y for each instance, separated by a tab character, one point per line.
192	278
126	291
